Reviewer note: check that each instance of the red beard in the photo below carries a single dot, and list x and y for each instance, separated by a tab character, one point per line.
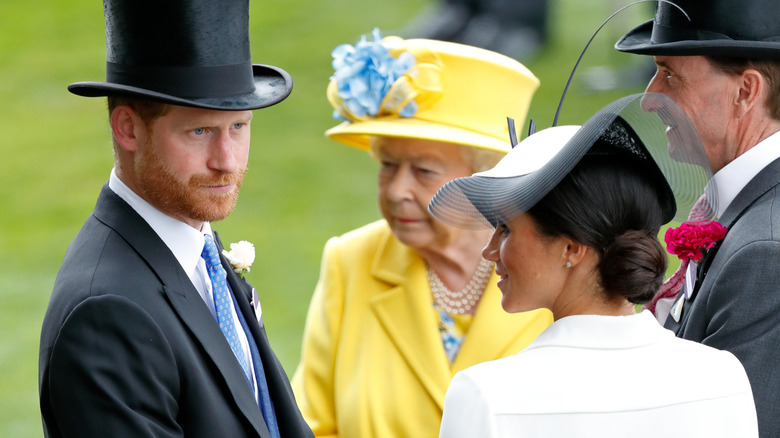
186	199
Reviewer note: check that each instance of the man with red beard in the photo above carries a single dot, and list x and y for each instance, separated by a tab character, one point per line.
150	330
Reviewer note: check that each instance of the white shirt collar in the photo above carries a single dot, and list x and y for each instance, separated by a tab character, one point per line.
602	332
732	178
185	242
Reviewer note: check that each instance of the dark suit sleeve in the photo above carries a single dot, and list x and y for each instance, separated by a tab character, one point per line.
743	310
111	373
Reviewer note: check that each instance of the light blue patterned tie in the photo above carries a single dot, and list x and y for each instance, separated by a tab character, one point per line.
222	304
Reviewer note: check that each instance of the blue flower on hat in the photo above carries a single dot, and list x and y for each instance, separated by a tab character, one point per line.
364	76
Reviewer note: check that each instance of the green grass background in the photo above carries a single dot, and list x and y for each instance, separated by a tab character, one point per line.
55	154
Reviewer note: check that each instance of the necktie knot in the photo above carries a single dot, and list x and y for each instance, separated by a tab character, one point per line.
211	256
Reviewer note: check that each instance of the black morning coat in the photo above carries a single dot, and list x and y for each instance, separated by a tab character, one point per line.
129	348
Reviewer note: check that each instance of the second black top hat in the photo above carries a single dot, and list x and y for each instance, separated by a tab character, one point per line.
743	29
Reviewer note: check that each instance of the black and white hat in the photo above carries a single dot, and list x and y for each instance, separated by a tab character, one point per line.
647	129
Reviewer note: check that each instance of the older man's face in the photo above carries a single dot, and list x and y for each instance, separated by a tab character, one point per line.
708	97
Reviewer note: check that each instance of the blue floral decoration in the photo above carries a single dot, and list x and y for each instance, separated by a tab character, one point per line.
364	75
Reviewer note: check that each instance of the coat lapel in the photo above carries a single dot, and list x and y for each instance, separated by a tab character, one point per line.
405	312
765	181
288	416
181	293
198	319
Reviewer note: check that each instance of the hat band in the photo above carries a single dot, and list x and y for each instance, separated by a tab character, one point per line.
186	82
664	34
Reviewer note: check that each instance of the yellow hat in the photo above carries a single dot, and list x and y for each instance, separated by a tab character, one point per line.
426	89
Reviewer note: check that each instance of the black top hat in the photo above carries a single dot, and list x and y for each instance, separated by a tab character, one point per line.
185	52
741	29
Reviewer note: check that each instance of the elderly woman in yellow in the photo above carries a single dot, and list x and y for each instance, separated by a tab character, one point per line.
404	303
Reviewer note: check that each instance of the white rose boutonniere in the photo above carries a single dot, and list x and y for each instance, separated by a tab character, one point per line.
241	256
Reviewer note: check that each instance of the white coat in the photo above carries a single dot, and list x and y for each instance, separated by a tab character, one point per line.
596	376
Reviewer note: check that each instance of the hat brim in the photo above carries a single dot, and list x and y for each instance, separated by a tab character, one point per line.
639	41
661	141
358	134
272	85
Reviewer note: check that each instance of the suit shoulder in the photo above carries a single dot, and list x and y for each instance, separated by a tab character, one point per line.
98	252
83	256
97	262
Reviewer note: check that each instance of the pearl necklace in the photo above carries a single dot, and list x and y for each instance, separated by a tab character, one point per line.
463	301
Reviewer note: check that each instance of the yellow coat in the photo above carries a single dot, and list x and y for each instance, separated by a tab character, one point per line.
373	364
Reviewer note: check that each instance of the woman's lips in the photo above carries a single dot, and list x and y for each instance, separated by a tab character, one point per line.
502	277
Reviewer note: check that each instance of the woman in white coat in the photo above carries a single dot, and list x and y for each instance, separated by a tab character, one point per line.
576	212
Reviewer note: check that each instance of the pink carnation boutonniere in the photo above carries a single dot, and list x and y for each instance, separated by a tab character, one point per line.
690	240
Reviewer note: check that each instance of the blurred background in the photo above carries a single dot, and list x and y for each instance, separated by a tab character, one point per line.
301	188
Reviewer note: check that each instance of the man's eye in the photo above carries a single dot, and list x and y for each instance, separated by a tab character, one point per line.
238	125
199	131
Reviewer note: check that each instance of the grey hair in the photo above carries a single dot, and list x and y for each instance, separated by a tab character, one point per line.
478	159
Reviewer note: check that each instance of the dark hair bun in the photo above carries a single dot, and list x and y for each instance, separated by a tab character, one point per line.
633	267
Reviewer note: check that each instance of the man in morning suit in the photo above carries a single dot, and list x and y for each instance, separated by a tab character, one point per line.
720	61
149	331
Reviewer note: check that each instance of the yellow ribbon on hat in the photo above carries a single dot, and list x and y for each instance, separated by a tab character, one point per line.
421	84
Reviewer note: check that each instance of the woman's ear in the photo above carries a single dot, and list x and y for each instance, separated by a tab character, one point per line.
573	252
126	127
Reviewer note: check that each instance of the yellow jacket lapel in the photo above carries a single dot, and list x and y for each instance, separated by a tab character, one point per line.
405	311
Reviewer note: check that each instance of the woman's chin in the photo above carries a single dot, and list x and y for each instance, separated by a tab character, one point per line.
510	307
415	239
515	307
